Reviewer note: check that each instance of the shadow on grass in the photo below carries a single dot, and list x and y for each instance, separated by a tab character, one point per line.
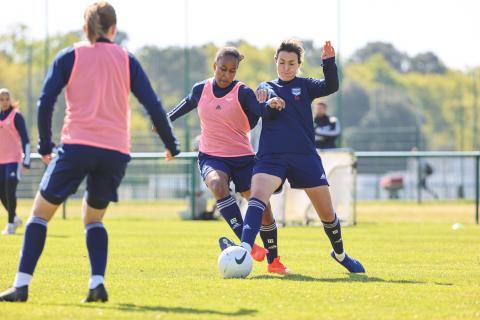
351	278
61	236
181	310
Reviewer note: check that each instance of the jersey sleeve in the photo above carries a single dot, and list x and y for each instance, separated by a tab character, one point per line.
320	88
143	91
264	110
57	78
250	105
189	103
19	122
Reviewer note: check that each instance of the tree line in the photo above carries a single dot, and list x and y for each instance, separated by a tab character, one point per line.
388	100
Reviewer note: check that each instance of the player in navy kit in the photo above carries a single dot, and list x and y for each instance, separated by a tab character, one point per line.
287	147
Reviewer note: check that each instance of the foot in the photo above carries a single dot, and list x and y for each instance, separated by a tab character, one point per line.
277	267
9	229
258	253
224	243
17	222
352	265
98	294
15	294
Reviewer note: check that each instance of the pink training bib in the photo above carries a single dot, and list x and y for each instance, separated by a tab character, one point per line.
223	123
97	92
10	141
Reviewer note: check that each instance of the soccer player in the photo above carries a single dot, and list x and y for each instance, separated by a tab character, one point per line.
287	147
95	142
228	109
14	156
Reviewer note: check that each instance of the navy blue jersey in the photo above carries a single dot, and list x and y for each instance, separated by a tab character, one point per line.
19	123
253	110
291	130
57	78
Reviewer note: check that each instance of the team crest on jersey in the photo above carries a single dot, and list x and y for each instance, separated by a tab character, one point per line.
296	91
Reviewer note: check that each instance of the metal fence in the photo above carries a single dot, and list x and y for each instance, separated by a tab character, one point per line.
149	177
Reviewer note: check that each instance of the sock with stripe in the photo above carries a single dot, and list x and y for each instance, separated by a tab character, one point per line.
253	220
268	233
230	211
33	244
97	246
334	233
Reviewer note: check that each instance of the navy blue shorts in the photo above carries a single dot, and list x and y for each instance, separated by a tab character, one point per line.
239	169
301	170
10	171
104	170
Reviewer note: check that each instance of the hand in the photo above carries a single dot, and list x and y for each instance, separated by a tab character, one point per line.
276	103
154	129
47	158
328	51
168	155
24	170
262	95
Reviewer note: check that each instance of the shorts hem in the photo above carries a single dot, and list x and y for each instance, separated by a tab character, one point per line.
52	199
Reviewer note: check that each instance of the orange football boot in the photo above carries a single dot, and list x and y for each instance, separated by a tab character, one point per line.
277	267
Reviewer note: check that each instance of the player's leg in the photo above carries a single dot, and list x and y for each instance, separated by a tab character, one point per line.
61	179
10	186
3	196
3	182
263	186
321	200
96	238
306	172
218	183
33	244
102	184
216	173
269	235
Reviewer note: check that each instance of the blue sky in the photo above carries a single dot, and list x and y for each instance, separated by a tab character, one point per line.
448	28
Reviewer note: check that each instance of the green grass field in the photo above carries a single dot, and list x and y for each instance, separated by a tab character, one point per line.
163	268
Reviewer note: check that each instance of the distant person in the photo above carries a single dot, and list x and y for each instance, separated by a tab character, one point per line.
95	142
14	157
327	128
426	170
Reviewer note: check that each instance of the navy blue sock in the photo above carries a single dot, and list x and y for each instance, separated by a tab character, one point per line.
97	246
268	233
334	233
11	197
253	220
33	243
231	213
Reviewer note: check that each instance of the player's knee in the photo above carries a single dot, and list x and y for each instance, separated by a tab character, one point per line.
218	187
267	217
97	203
260	195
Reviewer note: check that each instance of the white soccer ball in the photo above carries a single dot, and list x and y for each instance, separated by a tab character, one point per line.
235	262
